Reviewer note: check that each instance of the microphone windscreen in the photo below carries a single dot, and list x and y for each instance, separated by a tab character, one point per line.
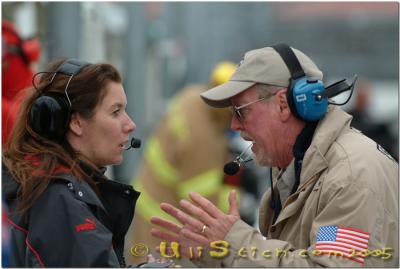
231	168
135	143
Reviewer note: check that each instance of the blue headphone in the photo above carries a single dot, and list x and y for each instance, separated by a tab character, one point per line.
50	112
304	94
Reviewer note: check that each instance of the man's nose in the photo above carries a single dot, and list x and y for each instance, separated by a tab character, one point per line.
236	124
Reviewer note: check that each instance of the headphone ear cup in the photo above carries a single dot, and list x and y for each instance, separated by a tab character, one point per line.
31	49
290	99
49	116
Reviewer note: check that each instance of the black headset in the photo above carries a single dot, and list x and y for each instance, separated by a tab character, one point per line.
50	113
307	97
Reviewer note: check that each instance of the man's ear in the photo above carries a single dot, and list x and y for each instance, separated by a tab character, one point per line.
284	109
75	124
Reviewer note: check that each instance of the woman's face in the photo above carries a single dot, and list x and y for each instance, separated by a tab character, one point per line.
104	134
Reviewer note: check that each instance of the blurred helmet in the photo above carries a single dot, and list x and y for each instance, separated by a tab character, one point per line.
222	72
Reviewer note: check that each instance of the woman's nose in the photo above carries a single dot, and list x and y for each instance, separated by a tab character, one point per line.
130	126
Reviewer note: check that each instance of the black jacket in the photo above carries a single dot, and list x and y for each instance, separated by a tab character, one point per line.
70	225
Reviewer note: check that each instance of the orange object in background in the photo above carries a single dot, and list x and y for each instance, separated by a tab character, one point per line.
17	56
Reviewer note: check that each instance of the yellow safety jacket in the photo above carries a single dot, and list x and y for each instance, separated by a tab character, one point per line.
186	153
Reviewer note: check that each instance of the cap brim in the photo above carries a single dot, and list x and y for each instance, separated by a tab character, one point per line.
220	96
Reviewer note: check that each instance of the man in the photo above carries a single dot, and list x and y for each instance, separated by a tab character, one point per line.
334	197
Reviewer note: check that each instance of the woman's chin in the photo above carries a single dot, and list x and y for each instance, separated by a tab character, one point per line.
116	161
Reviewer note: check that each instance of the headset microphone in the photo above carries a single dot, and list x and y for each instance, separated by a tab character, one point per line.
135	143
337	88
233	167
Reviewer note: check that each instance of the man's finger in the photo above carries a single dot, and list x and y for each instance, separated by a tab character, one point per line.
165	224
170	210
206	205
198	213
195	237
233	204
164	236
181	216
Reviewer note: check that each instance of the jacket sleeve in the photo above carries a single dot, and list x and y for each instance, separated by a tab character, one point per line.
349	205
63	232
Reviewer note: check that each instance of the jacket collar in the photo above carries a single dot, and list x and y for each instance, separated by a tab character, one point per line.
327	131
97	173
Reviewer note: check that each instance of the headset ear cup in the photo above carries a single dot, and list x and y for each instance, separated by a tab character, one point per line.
49	116
290	99
31	49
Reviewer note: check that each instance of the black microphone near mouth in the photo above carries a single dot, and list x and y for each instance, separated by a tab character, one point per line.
135	143
233	167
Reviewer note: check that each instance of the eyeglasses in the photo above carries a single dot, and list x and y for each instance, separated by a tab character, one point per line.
236	110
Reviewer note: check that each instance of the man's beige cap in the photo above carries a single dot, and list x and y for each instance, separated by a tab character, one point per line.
258	66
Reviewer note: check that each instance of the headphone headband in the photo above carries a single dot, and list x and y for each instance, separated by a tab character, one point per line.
71	67
291	61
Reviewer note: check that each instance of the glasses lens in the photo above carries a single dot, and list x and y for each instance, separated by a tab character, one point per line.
237	113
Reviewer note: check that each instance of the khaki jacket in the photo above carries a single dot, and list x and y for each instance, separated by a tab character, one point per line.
346	180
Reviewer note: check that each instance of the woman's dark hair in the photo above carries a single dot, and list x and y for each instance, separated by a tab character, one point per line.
32	159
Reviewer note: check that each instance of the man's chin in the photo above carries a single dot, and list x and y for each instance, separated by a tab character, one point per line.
260	160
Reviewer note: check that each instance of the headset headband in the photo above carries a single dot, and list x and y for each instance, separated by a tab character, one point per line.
291	61
71	67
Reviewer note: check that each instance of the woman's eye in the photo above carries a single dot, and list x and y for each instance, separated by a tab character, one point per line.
116	112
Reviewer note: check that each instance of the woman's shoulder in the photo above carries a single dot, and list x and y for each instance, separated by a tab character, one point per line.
67	189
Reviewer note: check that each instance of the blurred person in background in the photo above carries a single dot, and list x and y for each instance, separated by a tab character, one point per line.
186	152
63	211
362	120
18	55
335	193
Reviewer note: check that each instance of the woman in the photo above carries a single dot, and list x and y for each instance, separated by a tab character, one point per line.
62	209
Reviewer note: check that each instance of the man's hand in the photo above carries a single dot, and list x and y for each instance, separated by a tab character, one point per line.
202	224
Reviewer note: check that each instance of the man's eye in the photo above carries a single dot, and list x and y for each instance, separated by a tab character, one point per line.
116	112
243	111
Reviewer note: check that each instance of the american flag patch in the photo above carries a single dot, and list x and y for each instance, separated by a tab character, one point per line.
351	243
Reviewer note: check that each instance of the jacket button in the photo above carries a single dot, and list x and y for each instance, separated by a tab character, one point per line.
127	192
273	228
70	186
80	193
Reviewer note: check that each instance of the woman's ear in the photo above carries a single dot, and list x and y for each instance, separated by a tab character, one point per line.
284	109
75	124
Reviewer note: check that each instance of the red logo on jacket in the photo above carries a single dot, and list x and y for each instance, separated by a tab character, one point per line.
88	225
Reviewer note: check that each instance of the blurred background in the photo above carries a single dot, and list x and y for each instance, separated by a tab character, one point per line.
160	47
